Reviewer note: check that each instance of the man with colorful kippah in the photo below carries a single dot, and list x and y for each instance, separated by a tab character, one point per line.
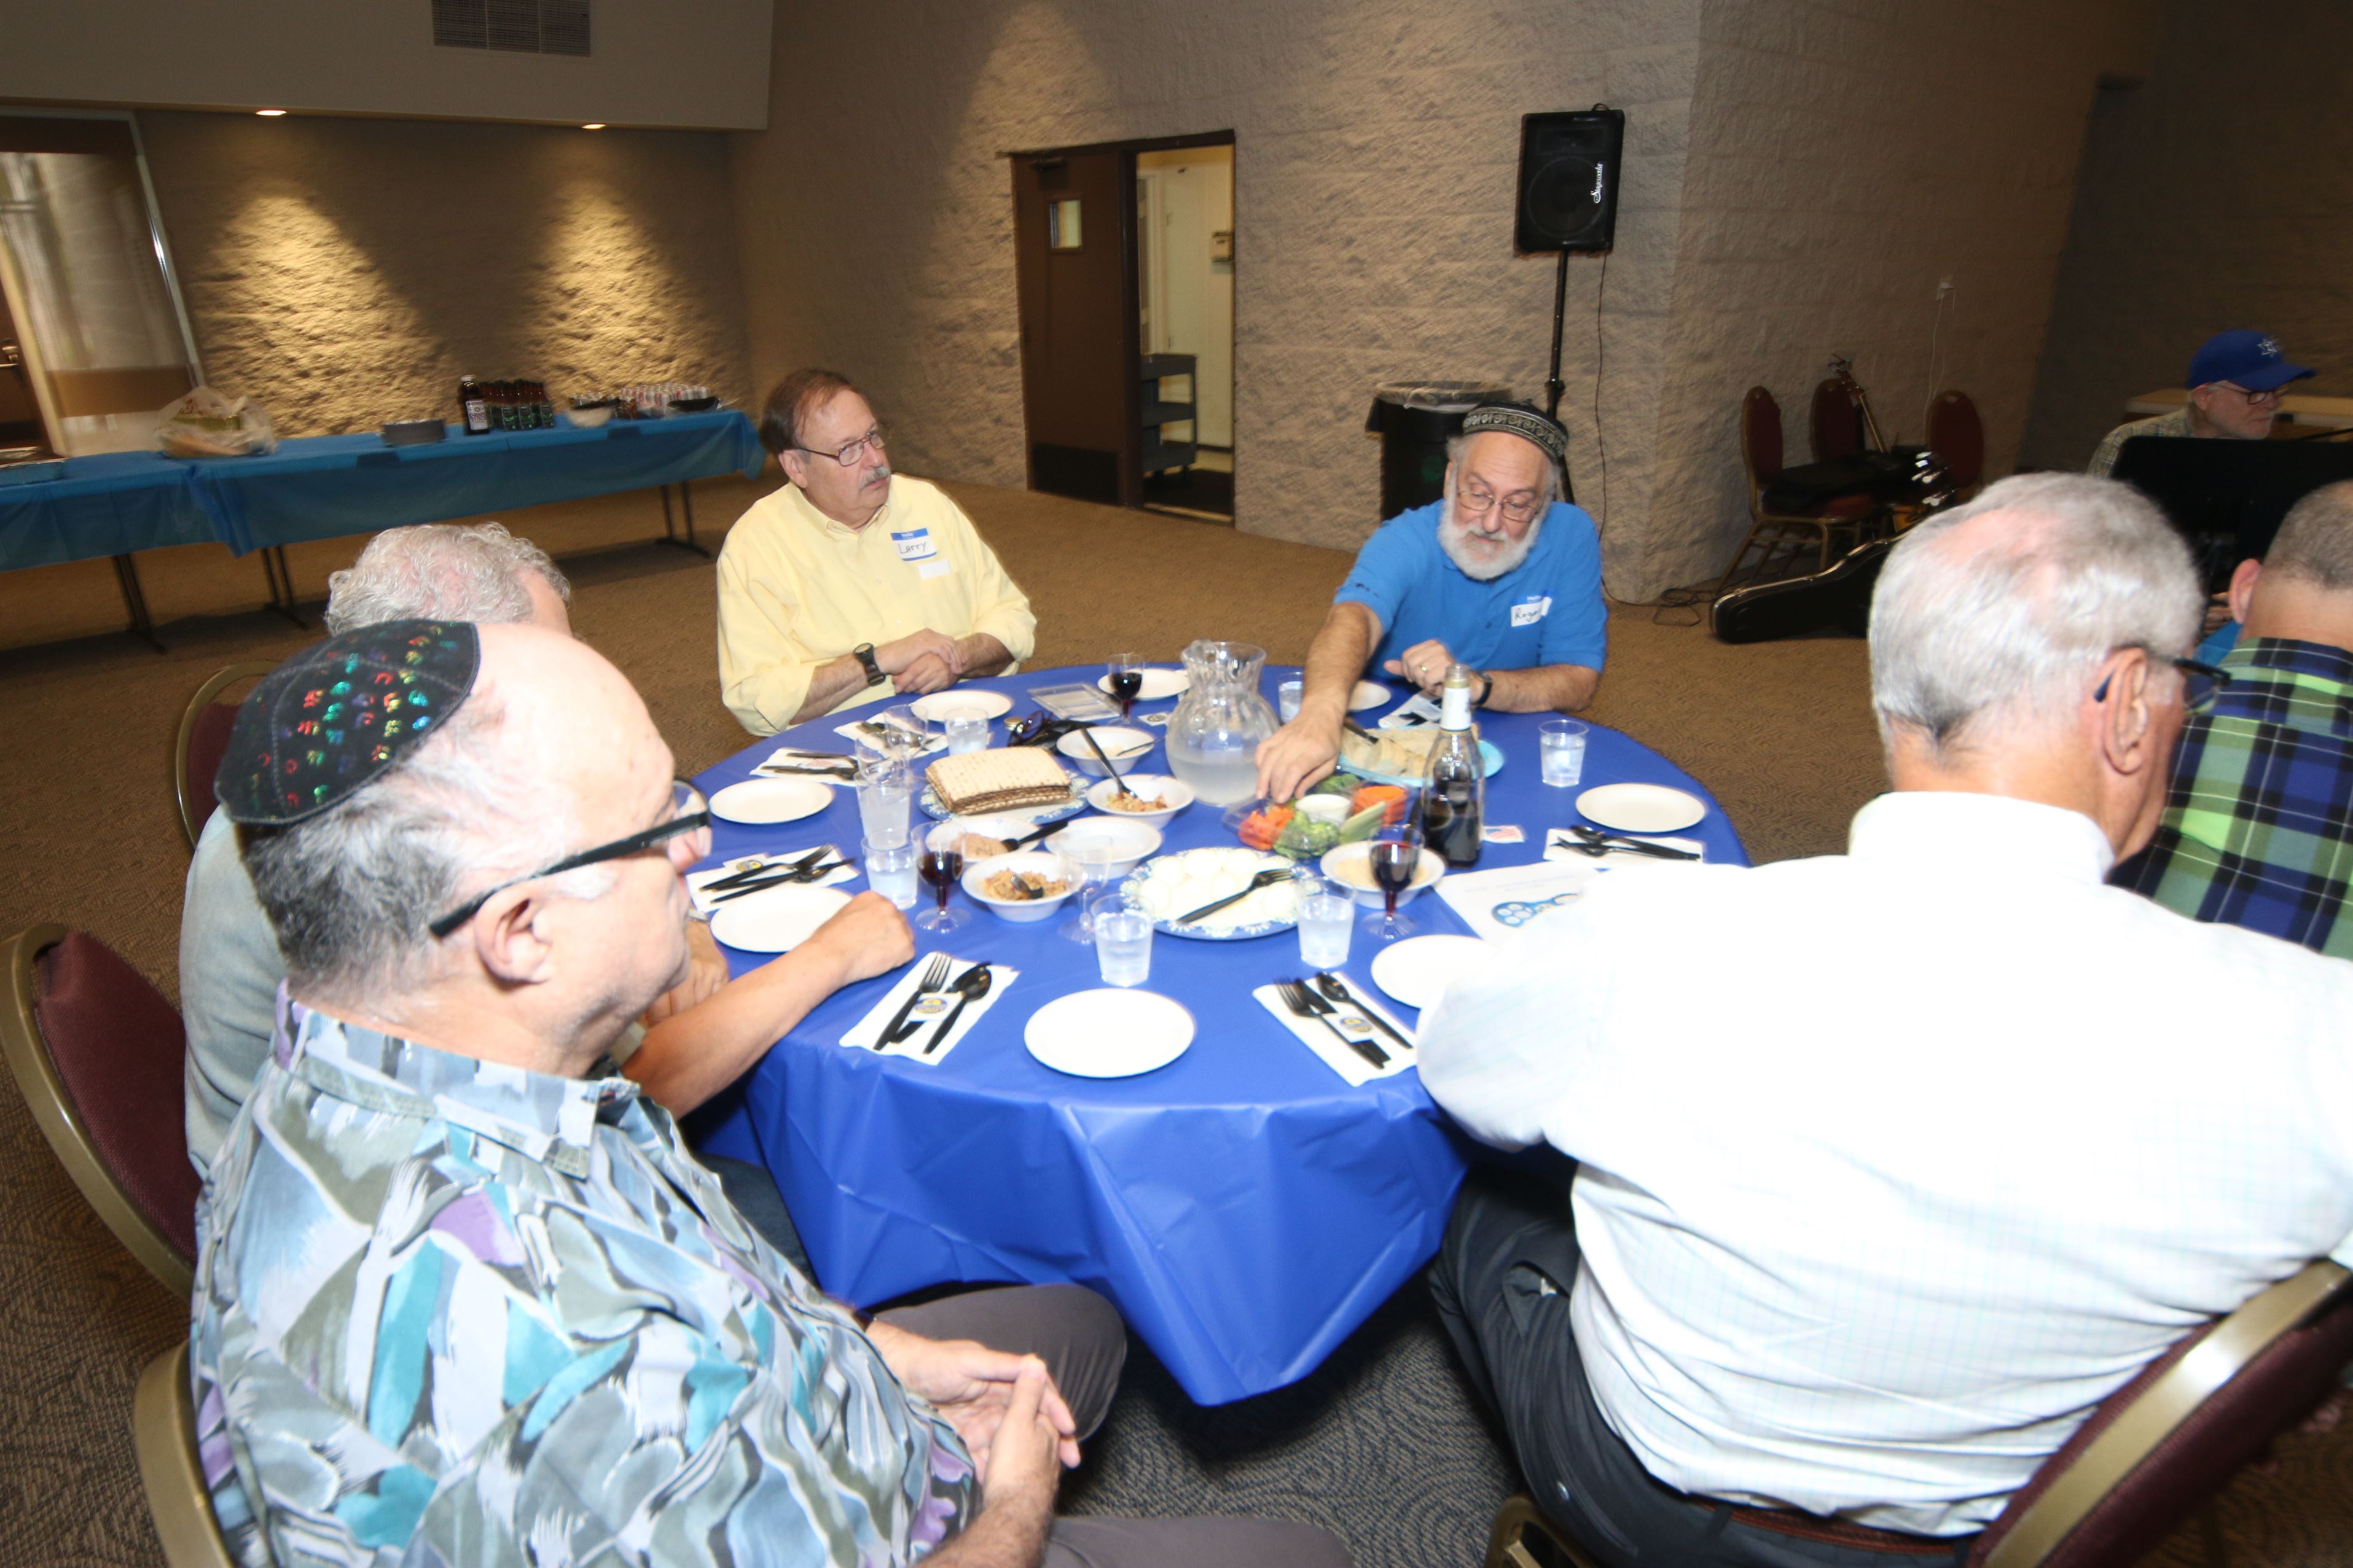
1498	575
462	1295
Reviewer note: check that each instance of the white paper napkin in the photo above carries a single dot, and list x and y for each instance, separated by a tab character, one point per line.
1557	843
927	1013
858	737
1507	899
1414	712
792	762
1334	1055
696	881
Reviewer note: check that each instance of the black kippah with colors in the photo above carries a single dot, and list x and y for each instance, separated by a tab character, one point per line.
344	713
1517	419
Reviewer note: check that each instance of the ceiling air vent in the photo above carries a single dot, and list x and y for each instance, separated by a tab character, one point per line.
522	26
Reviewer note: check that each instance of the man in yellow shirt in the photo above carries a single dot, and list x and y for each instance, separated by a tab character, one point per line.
848	586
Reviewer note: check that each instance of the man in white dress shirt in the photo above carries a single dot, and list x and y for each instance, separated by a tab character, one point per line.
1891	1166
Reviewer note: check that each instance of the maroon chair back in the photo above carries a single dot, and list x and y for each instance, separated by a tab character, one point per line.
1760	436
1836	422
1956	436
196	750
2199	1444
101	1065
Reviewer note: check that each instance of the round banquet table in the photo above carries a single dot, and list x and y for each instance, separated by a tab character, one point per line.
1242	1206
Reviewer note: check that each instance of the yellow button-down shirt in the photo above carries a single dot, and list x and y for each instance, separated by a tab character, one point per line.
797	589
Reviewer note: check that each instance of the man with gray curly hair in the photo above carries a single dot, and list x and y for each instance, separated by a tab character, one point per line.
500	579
1863	1239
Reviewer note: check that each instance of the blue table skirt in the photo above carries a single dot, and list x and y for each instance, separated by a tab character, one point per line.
1243	1207
325	487
110	504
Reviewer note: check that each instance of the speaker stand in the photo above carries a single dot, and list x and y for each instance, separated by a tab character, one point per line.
1553	385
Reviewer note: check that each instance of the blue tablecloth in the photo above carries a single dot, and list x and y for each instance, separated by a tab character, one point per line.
325	487
111	504
1242	1206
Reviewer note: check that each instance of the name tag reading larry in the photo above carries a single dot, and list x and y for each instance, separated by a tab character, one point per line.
915	544
1530	611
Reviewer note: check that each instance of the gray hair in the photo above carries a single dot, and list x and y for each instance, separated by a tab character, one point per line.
351	891
2008	633
1460	442
438	570
2315	542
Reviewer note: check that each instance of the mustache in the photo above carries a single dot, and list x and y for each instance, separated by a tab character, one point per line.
878	477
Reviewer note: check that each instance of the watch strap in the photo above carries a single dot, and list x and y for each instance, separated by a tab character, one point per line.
864	653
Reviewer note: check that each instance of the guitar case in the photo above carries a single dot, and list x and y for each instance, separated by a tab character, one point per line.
1837	599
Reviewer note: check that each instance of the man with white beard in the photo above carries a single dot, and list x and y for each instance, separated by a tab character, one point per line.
1498	575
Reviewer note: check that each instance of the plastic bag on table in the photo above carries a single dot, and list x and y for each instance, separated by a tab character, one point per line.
209	424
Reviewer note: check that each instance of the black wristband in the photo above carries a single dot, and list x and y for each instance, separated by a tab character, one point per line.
1486	689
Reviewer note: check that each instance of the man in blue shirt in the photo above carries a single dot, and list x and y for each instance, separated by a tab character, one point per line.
1498	575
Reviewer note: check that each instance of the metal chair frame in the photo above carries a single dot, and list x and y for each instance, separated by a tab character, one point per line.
35	1071
163	1437
1770	531
192	820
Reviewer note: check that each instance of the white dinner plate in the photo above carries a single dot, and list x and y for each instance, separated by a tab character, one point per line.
771	800
1157	684
1108	1033
777	920
1417	970
1368	694
1639	808
942	706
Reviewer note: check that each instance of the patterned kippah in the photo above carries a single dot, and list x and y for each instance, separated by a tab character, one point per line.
1516	419
341	714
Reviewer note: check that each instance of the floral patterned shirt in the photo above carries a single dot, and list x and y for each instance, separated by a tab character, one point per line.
450	1311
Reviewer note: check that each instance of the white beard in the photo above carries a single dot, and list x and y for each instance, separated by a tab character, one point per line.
1484	563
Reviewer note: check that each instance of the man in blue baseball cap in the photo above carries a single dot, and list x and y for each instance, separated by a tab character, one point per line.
2234	391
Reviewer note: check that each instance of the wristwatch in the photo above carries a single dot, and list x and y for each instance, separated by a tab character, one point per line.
865	655
1486	689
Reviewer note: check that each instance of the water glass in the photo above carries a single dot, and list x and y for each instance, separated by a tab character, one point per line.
1560	752
967	732
1286	698
891	869
1124	945
884	789
1324	920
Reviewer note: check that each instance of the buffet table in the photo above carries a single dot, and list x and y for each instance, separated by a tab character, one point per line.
1243	1207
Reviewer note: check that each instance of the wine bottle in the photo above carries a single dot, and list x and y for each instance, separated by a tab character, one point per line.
1454	784
473	408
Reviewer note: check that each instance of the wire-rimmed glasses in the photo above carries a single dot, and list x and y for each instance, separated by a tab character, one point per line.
688	826
849	452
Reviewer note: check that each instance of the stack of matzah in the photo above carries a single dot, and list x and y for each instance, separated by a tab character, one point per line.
1394	753
1003	778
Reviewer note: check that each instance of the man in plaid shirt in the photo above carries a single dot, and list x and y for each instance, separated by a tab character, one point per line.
2256	829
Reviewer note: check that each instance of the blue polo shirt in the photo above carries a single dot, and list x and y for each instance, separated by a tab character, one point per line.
1546	610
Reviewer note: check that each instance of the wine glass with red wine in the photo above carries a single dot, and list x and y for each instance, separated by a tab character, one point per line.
1125	673
1395	855
941	864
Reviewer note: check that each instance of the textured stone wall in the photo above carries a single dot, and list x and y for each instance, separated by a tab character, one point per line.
2216	193
1375	165
1846	157
346	272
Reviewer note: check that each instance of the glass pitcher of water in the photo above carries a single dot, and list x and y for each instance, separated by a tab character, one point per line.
1213	736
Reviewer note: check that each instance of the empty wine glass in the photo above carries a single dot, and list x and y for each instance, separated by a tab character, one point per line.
1395	856
1090	861
901	734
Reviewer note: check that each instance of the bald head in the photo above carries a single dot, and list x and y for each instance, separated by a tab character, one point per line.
2302	590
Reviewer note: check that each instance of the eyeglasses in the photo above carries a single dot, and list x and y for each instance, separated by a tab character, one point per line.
850	451
2272	395
690	813
2200	684
1476	500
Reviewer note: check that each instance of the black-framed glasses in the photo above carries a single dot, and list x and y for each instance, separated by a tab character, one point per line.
689	813
850	451
2269	394
2200	684
1479	503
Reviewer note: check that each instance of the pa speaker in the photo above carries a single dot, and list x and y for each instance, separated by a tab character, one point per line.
1568	180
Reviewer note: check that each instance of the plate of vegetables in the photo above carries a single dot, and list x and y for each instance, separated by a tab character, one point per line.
1342	809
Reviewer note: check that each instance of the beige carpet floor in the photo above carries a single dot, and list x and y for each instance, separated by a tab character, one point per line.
1780	732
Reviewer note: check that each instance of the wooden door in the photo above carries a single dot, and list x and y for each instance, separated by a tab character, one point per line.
1074	253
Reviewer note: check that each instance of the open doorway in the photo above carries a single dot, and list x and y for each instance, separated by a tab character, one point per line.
1123	256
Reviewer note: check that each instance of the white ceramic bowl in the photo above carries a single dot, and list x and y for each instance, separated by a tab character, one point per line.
1174	796
588	418
1346	866
1130	839
1033	863
1125	748
1331	809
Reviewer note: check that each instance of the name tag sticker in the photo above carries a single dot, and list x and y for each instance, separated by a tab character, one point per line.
935	566
1530	612
915	544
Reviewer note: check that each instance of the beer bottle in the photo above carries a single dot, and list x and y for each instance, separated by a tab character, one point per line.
473	409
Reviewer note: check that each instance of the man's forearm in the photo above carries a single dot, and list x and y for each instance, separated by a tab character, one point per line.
688	1058
982	655
1010	1534
1547	689
1336	661
832	681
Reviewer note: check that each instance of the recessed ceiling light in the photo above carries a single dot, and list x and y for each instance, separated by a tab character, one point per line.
269	113
598	125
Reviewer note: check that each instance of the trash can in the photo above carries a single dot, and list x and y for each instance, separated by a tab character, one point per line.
1415	419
